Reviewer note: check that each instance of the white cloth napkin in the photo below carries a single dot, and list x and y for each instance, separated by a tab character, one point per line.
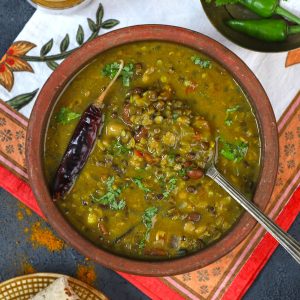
280	83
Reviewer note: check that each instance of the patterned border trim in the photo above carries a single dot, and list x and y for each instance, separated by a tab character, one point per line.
13	136
235	267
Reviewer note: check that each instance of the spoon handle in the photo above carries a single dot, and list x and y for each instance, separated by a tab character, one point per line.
283	238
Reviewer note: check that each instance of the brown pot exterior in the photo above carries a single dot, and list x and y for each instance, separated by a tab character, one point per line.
62	76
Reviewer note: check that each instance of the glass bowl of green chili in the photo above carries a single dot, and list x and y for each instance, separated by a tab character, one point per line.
259	25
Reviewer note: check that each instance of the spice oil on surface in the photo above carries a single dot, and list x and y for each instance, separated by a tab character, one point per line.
142	192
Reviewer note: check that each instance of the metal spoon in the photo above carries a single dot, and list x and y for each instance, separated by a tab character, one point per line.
283	238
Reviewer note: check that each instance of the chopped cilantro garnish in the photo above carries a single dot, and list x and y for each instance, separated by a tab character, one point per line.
161	179
175	116
203	63
233	109
171	158
147	219
138	182
65	116
111	197
235	152
229	111
171	186
111	70
119	148
182	172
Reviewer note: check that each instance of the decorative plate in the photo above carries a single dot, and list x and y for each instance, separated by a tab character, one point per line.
24	287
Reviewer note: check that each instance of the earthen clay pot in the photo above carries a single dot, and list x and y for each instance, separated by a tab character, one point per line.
62	76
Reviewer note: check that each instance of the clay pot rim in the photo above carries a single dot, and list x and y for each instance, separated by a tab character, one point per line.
74	63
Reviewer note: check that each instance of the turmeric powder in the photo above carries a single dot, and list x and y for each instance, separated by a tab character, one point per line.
86	274
20	215
45	238
28	268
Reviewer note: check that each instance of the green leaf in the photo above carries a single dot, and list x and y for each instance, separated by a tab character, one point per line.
52	65
99	14
80	35
110	23
65	43
233	109
46	48
20	101
182	172
170	187
118	205
147	219
138	182
127	74
119	148
111	70
110	198
65	116
202	63
93	26
228	121
110	181
148	216
234	152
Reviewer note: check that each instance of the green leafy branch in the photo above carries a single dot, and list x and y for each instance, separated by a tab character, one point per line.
94	26
22	100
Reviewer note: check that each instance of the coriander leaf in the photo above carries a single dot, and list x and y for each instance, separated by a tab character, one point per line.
65	116
147	219
118	205
148	216
182	172
233	109
109	182
203	63
171	158
171	186
235	152
142	242
140	185
110	70
228	121
119	148
127	74
110	198
175	116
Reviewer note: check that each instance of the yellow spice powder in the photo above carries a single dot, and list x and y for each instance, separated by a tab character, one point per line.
86	274
45	238
28	268
20	216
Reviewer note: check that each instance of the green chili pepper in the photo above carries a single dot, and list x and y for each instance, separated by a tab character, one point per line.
267	30
268	8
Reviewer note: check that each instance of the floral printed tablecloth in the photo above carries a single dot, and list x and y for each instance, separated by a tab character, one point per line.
49	38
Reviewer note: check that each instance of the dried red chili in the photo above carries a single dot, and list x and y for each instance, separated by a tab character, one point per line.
78	151
81	145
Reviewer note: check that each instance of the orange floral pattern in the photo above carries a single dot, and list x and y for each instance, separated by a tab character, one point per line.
12	62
